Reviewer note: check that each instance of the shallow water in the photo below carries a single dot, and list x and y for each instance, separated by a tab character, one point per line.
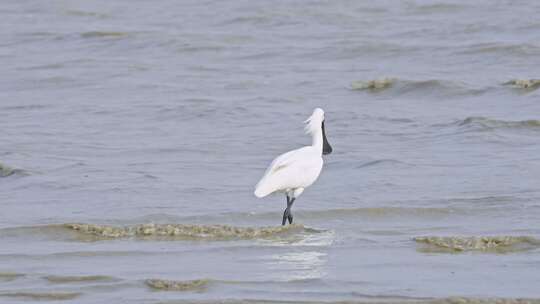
132	135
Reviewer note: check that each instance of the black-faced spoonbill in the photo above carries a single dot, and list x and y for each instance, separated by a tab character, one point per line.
296	170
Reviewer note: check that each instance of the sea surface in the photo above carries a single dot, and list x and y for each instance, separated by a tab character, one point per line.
132	134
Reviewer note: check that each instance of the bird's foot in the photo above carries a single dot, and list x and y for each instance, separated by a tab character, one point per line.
286	215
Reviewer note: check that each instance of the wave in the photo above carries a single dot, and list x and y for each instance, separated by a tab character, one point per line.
103	34
463	300
381	162
404	86
24	107
86	14
7	171
249	20
375	84
78	279
380	299
508	49
10	276
42	296
335	213
526	84
169	285
318	214
499	244
188	232
483	123
381	212
436	8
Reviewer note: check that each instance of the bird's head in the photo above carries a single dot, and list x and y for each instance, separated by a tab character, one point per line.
314	125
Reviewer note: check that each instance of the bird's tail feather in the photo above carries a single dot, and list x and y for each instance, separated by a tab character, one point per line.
263	188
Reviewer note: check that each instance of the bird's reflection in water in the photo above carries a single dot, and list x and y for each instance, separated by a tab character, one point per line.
300	265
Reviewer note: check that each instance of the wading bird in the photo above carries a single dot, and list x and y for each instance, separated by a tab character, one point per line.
296	170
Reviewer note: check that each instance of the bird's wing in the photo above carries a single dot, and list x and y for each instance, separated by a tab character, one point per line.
281	162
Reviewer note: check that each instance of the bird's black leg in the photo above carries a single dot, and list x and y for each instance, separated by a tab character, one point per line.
289	205
287	214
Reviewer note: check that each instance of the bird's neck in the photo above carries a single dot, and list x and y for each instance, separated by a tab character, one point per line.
317	141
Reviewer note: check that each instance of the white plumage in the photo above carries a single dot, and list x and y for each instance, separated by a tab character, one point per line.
296	170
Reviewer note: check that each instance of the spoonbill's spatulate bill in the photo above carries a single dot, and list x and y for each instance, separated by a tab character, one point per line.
296	170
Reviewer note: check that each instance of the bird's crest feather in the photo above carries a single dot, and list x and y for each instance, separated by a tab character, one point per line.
313	123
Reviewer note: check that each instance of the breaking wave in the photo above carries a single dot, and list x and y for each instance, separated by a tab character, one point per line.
483	243
403	86
42	296
483	123
527	84
10	276
78	279
7	171
375	84
188	232
169	285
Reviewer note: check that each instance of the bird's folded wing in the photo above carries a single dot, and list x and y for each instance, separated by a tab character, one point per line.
267	184
281	162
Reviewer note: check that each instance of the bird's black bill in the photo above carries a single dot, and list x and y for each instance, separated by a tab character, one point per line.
327	149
